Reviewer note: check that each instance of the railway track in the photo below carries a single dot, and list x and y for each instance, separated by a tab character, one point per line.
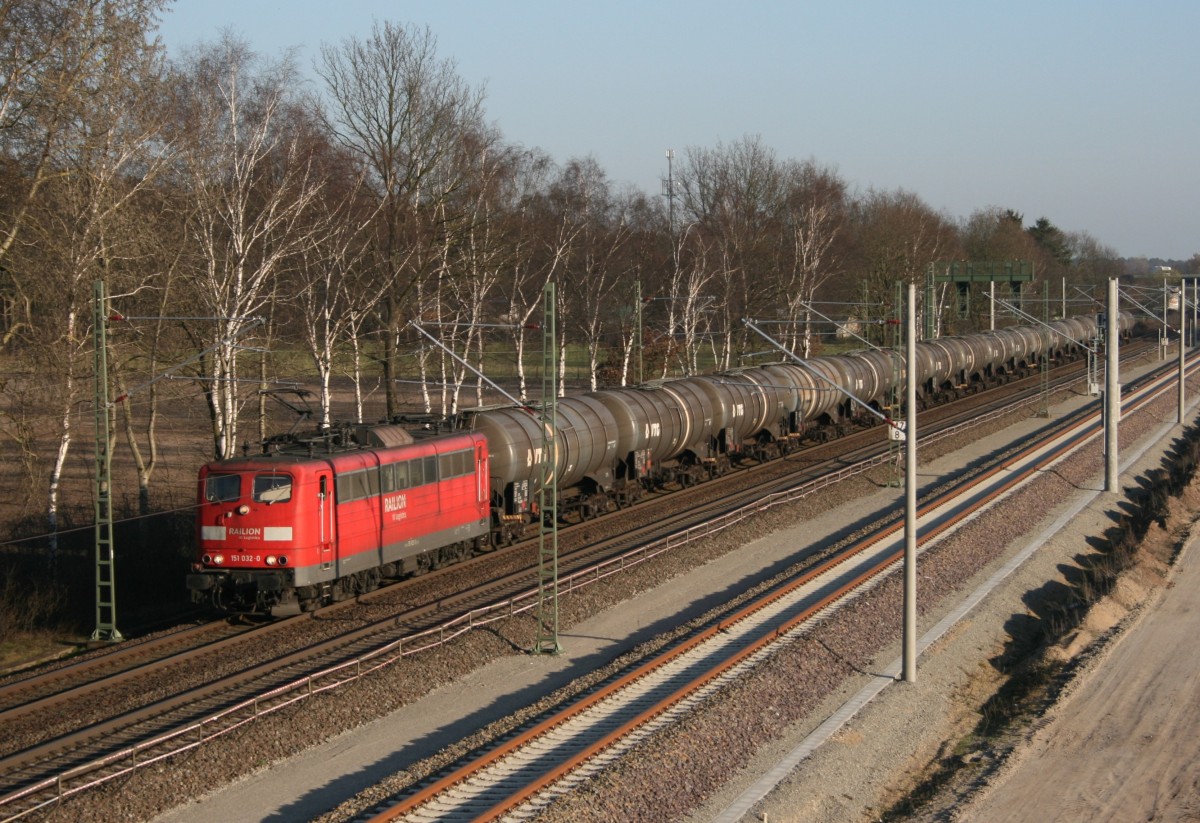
522	774
307	671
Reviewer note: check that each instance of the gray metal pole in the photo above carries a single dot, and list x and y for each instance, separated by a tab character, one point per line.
1166	302
637	329
547	641
1182	352
1165	327
1112	395
910	493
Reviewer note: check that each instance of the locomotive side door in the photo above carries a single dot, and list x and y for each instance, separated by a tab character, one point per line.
325	520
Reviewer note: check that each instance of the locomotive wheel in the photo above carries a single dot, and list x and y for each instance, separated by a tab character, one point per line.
368	581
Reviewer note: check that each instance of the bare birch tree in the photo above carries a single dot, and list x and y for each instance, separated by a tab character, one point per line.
813	213
403	110
336	293
97	148
733	195
594	268
250	180
53	54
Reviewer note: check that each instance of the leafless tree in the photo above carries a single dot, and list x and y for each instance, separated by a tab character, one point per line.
896	236
98	148
643	262
541	239
1093	262
593	269
478	263
733	196
404	111
336	292
812	216
249	177
52	55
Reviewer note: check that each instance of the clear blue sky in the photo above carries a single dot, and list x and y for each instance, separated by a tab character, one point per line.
1087	113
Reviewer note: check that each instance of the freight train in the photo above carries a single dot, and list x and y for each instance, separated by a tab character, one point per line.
319	518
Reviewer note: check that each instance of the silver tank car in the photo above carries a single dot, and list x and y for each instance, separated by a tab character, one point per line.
611	445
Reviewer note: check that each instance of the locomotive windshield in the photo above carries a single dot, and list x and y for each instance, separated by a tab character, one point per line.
221	488
272	488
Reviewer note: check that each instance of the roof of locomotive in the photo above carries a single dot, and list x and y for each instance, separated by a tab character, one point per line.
296	447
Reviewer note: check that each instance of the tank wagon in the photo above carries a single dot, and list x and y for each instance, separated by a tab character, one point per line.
327	516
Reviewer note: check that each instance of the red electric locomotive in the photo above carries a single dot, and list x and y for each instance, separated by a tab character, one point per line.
312	521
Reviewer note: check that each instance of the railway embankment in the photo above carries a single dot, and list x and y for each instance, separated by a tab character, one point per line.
992	690
1074	627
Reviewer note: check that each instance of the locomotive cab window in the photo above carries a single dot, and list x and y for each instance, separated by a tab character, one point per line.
357	485
272	488
456	464
394	477
221	488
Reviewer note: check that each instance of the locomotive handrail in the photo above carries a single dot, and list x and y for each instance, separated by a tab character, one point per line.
278	697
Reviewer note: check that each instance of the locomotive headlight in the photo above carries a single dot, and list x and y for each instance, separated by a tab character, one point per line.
282	560
271	561
218	559
206	559
243	509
